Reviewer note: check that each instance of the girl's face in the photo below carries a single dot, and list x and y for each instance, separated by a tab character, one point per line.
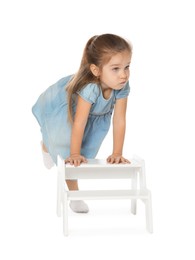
115	74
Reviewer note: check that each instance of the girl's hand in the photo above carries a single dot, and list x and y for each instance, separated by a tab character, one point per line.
76	159
117	158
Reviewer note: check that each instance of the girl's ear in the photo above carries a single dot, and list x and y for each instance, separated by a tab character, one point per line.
95	70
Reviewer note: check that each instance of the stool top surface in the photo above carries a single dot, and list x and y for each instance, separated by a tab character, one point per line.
104	164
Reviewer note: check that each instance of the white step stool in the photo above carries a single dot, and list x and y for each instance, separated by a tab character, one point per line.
100	169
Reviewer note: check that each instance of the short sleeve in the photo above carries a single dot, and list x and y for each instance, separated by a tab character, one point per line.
124	92
90	93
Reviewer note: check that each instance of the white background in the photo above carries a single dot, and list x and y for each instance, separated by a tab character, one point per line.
42	41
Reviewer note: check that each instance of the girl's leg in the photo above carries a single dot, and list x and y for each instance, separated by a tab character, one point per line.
72	185
78	206
44	147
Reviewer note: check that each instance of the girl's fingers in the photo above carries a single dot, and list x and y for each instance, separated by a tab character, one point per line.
76	161
117	160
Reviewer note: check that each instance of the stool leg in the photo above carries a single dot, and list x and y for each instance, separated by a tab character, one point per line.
59	196
65	214
60	184
134	187
149	221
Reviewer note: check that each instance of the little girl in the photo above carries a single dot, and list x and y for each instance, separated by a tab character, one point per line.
75	113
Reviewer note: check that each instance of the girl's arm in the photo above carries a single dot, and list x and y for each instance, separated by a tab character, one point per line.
119	125
80	120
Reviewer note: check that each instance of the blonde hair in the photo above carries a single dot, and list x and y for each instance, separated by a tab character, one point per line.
98	51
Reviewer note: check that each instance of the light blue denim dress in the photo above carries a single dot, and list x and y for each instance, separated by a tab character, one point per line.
51	112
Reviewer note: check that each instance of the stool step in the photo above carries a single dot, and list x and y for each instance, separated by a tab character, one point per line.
107	194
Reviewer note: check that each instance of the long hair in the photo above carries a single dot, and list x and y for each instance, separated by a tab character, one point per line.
98	50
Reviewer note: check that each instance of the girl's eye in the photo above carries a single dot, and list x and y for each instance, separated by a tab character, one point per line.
127	67
115	69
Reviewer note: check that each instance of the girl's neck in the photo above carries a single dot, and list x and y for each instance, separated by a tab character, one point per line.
106	92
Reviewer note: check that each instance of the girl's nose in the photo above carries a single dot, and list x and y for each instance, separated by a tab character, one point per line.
124	74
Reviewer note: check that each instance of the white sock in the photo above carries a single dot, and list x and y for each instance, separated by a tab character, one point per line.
47	160
78	206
